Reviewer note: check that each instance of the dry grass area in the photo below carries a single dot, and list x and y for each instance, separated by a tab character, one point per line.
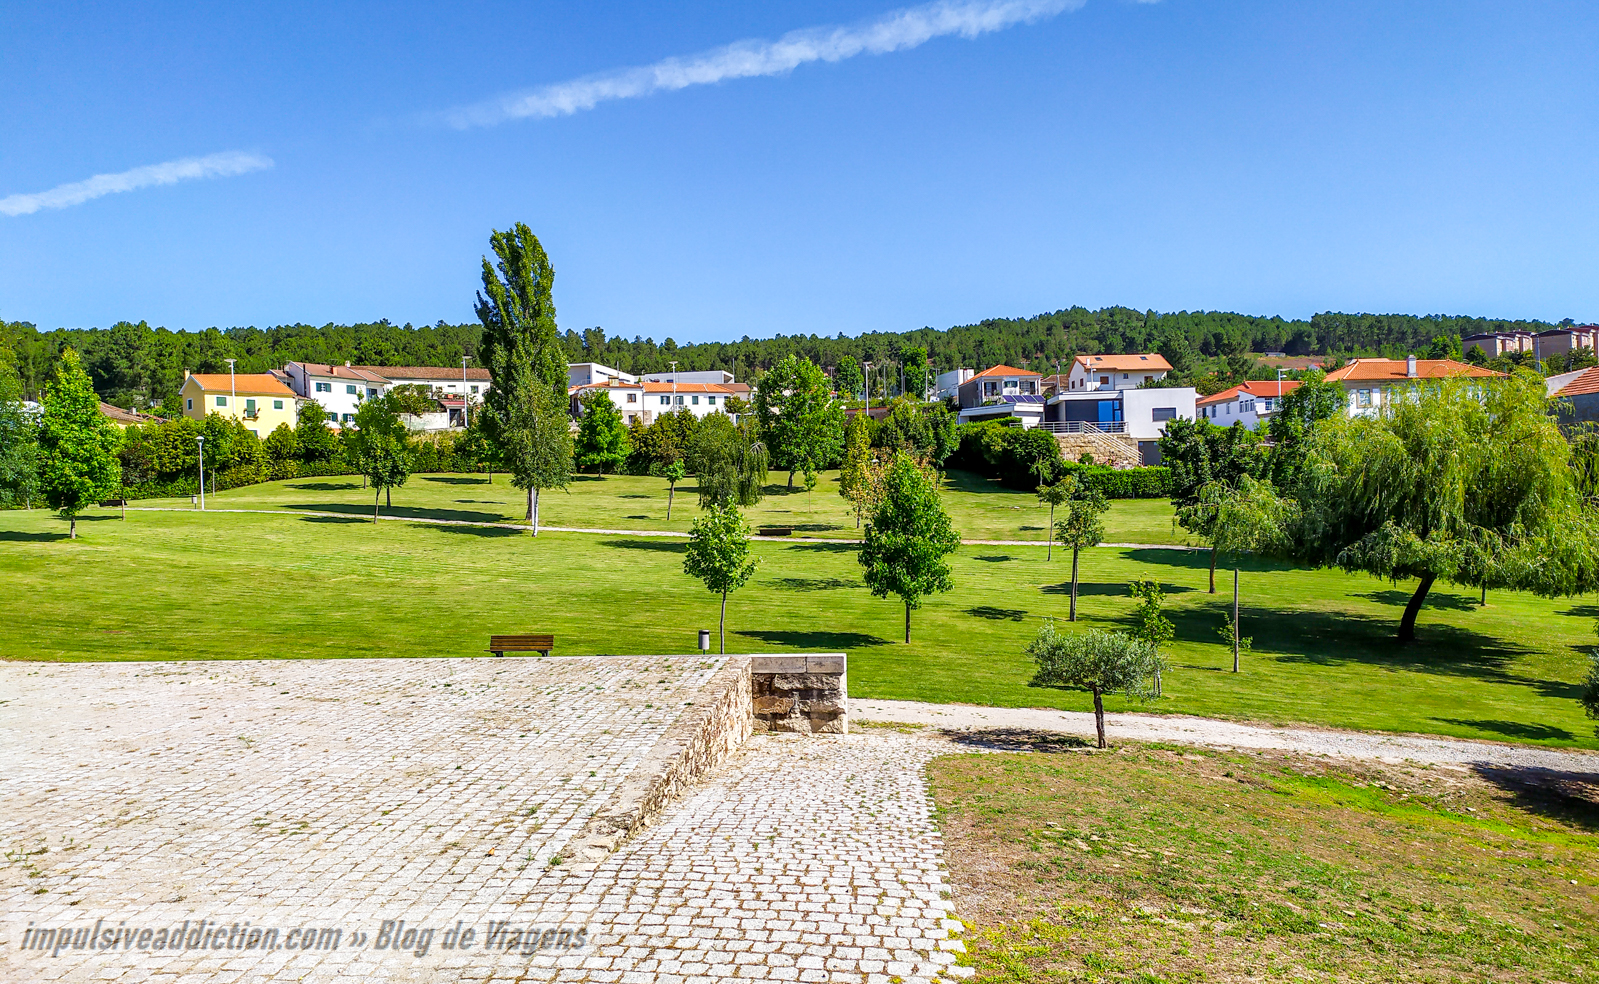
1160	863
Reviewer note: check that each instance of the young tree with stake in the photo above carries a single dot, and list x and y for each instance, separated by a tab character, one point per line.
1082	527
719	555
1054	495
1095	661
908	538
1249	518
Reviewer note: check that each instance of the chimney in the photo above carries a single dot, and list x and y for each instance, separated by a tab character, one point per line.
1410	366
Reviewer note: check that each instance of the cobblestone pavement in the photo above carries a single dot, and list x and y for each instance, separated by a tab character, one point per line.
340	796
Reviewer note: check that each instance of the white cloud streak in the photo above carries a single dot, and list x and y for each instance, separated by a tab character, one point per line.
896	31
223	165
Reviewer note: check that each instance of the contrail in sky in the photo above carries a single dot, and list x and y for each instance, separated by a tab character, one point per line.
221	165
895	31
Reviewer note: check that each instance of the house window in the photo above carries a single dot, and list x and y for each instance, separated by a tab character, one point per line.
222	401
1124	375
666	401
1363	398
632	397
350	389
1149	379
189	403
249	406
371	392
474	389
710	400
324	387
349	417
333	418
277	404
680	401
1162	413
694	400
1104	380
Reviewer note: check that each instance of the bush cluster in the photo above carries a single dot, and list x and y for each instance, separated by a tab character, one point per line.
1024	459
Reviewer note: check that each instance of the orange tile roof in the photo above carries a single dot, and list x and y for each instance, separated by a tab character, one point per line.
1254	387
1003	371
253	384
343	372
1125	363
1387	370
717	388
1583	385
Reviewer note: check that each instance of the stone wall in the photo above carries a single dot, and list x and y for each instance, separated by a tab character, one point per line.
801	693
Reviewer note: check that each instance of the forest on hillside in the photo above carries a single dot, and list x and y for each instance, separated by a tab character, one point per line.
135	365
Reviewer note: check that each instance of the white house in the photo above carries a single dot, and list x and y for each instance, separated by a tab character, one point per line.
1140	415
1370	384
339	389
946	385
1117	372
594	374
647	401
716	376
1249	403
441	380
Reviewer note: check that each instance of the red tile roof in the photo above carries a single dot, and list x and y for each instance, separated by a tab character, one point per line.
443	373
1583	385
343	372
253	384
1388	370
1253	387
1003	371
1153	361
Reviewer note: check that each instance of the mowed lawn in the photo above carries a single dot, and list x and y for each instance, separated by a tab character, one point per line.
980	508
187	585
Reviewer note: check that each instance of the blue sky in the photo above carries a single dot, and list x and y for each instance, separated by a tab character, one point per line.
1265	157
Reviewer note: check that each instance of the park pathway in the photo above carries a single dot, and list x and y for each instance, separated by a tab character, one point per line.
1212	733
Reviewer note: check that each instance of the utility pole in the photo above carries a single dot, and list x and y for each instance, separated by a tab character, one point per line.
868	367
674	385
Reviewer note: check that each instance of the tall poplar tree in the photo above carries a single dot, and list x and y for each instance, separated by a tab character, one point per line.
526	404
77	442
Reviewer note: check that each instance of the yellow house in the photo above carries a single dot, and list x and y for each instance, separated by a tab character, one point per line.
259	400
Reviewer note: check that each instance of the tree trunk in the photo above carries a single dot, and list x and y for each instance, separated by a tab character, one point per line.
721	627
791	479
1484	602
1073	616
375	496
1050	554
388	497
1212	570
1099	716
670	492
214	483
72	528
1407	625
124	510
533	509
907	622
1235	620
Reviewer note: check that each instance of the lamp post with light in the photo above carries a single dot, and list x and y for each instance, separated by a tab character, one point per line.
233	389
199	442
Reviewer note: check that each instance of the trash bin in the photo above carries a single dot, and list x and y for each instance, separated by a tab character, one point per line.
705	640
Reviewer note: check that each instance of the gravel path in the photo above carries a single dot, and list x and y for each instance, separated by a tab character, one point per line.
607	532
1231	734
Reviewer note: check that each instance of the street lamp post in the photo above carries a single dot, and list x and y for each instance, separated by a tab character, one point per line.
674	385
200	444
465	401
233	389
868	367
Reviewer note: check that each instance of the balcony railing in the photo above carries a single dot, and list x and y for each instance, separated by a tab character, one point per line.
1084	427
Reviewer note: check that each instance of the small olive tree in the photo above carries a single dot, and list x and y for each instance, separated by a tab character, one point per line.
1148	622
719	555
1095	661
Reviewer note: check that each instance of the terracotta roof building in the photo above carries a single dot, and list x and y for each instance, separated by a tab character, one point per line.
1248	403
1369	383
1113	372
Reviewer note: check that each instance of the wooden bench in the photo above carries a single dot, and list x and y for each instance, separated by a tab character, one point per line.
775	531
541	644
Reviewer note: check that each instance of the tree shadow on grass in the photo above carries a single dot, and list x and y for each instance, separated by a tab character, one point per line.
815	527
997	614
824	547
1513	730
324	486
811	583
635	495
657	544
404	512
1569	797
484	531
965	481
454	479
18	536
994	559
339	520
1015	739
816	642
1112	589
1441	600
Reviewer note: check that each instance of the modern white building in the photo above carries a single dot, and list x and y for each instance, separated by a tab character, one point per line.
946	385
713	376
594	374
1116	372
1249	403
1140	415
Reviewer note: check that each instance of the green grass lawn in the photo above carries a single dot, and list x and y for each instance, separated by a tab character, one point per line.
980	508
1159	863
233	586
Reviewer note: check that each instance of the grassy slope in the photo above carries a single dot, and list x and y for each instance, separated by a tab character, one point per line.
186	585
980	508
1167	864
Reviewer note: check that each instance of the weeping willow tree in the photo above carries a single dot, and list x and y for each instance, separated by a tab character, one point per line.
728	460
1467	481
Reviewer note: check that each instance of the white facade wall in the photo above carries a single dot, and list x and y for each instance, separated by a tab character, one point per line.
594	374
715	377
1082	378
339	397
1140	406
